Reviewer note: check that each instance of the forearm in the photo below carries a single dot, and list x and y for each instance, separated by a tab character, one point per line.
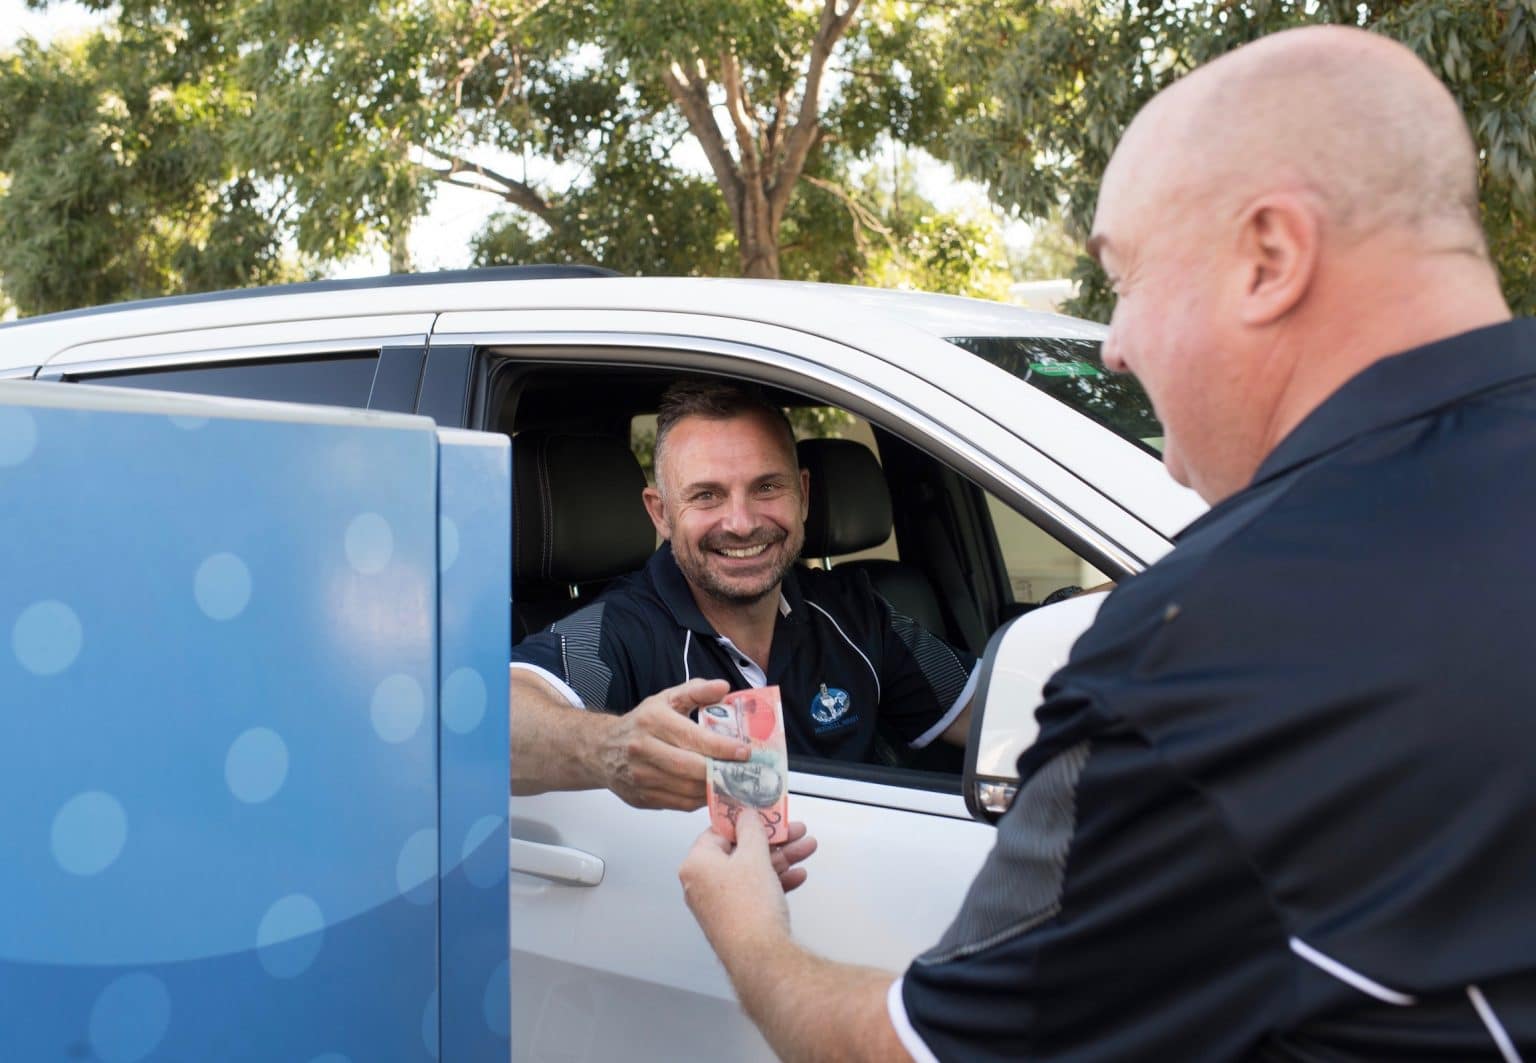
811	1008
554	744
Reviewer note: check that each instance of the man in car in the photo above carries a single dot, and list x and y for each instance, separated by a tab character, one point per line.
1282	804
723	605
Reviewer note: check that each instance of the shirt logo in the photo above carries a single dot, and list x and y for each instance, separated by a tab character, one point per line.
829	705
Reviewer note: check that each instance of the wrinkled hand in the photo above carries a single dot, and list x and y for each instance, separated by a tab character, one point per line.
737	891
654	755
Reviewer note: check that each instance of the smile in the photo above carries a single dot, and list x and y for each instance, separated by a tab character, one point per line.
745	551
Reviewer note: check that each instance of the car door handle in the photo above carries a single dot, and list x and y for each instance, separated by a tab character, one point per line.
557	863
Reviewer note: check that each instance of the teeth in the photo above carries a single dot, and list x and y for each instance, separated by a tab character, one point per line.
748	551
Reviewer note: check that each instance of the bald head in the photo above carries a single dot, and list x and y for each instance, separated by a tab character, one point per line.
1273	224
1348	117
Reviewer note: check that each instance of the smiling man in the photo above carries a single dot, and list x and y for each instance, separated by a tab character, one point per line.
1282	804
722	606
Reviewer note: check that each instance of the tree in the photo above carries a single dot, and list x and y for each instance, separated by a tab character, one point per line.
696	136
1058	84
118	185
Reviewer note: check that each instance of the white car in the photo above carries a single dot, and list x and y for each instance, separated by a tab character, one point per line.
1014	467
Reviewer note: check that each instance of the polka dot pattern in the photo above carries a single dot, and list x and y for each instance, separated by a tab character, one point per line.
129	1018
484	866
497	1005
256	765
397	708
463	704
429	1025
370	542
47	638
222	586
89	833
289	937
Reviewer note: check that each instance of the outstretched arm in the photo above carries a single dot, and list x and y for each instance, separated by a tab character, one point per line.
808	1007
652	756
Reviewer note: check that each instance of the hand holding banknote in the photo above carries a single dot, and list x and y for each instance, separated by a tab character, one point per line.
655	757
742	885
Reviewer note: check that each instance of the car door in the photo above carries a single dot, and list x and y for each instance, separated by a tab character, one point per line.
605	959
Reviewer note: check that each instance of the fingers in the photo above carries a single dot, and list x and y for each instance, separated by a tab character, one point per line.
695	694
794	878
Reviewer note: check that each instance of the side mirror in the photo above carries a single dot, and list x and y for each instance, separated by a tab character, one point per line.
1021	656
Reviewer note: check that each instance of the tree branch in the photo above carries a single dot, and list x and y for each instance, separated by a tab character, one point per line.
693	100
743	121
803	134
516	192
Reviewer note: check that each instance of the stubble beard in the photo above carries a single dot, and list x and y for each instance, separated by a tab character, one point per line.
697	571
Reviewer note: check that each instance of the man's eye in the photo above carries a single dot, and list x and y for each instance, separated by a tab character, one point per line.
702	496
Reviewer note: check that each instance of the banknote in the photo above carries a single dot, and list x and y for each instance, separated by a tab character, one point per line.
759	784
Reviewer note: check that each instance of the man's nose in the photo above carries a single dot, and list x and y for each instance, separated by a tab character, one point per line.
739	517
1113	352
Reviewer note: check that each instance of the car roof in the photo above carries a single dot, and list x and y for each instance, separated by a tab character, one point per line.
816	307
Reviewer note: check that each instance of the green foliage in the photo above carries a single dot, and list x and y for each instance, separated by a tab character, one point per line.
118	185
1057	84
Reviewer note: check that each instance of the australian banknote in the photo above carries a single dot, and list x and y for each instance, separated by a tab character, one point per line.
760	784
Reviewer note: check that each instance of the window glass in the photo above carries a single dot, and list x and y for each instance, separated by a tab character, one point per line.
1073	372
344	380
1037	564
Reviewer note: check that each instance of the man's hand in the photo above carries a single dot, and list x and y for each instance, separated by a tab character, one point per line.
736	892
654	755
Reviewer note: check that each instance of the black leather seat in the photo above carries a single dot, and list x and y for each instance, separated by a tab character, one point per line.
850	510
577	522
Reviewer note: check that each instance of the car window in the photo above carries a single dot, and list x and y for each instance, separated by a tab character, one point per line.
1037	563
334	380
1073	372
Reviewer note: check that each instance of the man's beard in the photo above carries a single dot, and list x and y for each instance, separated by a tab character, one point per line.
696	568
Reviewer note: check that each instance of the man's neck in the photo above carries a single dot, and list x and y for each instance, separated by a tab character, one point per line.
749	625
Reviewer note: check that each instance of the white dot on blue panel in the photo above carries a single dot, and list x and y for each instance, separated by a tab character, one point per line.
18	435
289	937
369	542
222	586
463	700
416	869
497	1004
397	708
484	866
129	1018
447	543
89	832
47	638
429	1033
256	765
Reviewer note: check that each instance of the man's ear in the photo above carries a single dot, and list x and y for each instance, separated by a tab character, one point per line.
805	493
1278	247
657	510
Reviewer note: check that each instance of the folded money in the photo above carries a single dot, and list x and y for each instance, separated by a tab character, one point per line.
760	783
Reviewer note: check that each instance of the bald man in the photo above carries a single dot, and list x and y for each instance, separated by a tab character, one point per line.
1283	802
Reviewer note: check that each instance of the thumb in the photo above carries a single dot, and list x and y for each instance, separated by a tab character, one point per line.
696	693
751	838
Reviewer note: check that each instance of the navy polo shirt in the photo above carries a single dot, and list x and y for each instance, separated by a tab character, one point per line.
1283	802
847	665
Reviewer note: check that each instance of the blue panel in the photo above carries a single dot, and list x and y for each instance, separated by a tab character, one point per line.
475	547
218	736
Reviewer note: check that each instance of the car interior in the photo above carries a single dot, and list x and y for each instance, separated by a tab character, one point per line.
936	545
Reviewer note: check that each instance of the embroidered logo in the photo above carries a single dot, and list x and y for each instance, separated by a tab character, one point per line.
829	705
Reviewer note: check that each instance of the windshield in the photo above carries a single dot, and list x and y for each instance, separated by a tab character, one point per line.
1071	371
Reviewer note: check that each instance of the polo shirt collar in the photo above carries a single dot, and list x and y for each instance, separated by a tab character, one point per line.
675	593
1404	386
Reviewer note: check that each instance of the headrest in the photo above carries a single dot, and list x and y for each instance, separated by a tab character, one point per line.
850	505
577	513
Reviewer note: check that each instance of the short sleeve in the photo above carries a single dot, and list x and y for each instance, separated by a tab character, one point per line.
581	655
924	681
1098	925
